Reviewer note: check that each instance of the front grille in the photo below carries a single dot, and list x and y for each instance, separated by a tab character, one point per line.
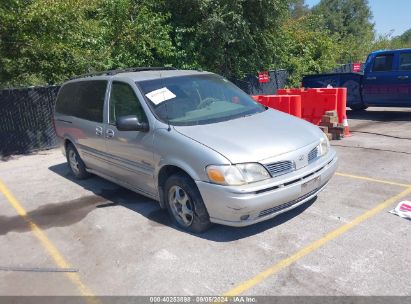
313	155
287	205
280	168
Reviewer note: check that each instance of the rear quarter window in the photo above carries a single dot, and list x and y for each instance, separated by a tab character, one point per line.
83	99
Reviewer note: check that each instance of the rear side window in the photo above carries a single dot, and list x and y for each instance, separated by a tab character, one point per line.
66	98
383	63
405	62
83	99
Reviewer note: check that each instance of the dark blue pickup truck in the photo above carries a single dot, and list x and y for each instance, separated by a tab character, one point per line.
385	82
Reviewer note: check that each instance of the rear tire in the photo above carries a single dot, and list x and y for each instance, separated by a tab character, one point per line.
75	163
185	204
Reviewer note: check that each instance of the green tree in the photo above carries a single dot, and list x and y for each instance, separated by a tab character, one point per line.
388	41
405	38
47	41
136	34
304	47
351	20
298	8
229	37
10	37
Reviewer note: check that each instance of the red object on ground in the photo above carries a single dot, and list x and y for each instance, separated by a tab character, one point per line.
309	104
346	128
356	67
405	207
263	99
290	104
295	105
263	77
342	104
256	97
315	102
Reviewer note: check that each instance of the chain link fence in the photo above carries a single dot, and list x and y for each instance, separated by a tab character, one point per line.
251	85
26	120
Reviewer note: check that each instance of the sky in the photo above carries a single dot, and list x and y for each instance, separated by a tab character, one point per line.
394	15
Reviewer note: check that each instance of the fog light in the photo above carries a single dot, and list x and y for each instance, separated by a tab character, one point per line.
244	217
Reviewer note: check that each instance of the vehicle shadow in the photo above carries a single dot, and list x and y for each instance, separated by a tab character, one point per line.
378	114
108	194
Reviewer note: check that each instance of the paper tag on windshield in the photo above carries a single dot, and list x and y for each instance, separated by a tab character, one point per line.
160	95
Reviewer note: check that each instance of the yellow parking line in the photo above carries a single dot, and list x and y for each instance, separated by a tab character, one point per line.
372	179
48	245
313	246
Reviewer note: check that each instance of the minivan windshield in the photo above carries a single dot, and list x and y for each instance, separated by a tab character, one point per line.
197	99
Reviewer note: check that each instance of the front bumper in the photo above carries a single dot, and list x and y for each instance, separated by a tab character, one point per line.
249	204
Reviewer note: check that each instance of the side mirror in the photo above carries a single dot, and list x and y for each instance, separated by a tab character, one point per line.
131	123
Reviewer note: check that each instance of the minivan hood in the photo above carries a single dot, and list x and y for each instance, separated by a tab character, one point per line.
256	137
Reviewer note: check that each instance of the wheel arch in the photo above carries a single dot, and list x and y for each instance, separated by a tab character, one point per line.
163	174
67	142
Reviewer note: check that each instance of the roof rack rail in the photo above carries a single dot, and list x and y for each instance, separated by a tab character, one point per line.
118	71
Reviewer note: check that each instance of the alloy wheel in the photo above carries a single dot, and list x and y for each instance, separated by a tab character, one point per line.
181	206
74	165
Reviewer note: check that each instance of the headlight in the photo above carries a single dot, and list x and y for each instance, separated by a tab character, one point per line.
324	145
234	175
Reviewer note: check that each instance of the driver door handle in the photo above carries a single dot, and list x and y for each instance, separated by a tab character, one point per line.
402	77
109	133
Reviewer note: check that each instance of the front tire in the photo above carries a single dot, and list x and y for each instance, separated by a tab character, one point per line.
185	204
75	163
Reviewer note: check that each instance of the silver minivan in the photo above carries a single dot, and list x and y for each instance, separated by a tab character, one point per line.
192	141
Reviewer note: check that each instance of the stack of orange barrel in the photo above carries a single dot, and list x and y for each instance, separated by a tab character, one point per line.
290	104
309	104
